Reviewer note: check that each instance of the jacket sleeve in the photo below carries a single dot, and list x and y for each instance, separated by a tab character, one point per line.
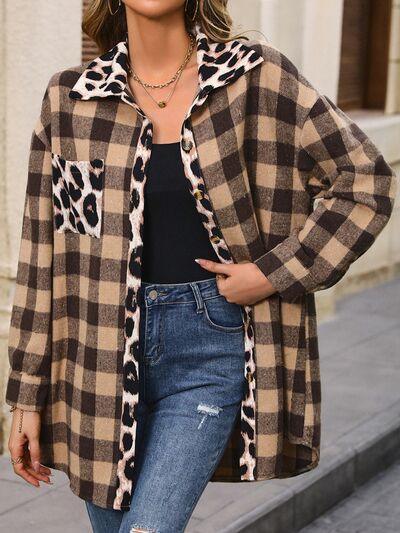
29	341
354	188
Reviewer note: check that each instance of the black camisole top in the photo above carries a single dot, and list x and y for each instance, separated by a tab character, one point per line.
173	231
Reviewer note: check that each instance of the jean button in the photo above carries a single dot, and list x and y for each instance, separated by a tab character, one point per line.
153	294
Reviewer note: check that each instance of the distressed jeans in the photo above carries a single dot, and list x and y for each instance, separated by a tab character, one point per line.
191	373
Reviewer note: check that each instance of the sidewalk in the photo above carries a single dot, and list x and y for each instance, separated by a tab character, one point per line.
374	508
360	370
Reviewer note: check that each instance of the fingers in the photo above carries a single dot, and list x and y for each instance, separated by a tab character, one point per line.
27	473
45	470
40	474
34	450
25	469
33	456
17	449
21	471
221	270
212	266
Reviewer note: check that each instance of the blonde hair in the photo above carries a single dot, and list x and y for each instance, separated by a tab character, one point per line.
106	29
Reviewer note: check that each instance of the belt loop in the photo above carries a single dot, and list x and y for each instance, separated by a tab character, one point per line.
198	297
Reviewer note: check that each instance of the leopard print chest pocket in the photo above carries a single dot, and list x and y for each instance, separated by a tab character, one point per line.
78	188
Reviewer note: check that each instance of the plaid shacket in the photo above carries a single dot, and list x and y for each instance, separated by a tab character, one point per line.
259	144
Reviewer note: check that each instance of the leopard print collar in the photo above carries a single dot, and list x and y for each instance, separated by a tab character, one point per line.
218	65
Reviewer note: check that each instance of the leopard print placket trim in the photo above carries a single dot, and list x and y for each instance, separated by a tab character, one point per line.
204	207
130	393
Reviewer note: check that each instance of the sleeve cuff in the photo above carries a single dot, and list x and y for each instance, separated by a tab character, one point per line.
26	391
287	267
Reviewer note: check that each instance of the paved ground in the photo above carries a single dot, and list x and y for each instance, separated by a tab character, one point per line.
360	370
374	508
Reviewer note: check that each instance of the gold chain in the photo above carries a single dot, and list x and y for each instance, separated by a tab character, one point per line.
163	103
21	415
175	77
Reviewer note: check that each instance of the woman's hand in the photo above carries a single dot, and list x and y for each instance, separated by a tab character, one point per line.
20	436
244	284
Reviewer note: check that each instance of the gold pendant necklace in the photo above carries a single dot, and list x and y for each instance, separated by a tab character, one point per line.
163	103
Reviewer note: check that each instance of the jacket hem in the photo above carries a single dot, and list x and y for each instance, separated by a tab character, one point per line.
74	487
282	475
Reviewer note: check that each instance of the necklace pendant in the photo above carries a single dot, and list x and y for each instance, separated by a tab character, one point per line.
162	103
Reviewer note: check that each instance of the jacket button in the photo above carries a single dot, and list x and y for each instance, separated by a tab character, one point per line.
187	145
215	239
248	376
198	194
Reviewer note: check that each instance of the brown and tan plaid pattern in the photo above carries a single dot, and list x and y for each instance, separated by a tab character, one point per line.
268	144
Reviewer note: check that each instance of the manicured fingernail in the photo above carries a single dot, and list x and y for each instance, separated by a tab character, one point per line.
198	260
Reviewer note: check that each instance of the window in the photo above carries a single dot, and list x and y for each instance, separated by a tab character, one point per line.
364	54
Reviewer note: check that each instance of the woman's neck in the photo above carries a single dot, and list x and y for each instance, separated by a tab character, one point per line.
157	47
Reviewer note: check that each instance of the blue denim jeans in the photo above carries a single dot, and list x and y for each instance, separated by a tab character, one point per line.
191	373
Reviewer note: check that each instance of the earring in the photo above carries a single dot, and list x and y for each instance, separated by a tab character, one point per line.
109	7
193	17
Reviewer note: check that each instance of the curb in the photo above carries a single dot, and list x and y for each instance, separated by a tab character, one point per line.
295	502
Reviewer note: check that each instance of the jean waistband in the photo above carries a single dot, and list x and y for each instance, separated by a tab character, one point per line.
157	293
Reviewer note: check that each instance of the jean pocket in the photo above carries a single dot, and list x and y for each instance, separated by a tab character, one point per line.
78	188
223	315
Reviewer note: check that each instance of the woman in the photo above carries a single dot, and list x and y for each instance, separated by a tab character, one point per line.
163	332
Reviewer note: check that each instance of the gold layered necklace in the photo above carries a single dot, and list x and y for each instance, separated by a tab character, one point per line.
174	80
